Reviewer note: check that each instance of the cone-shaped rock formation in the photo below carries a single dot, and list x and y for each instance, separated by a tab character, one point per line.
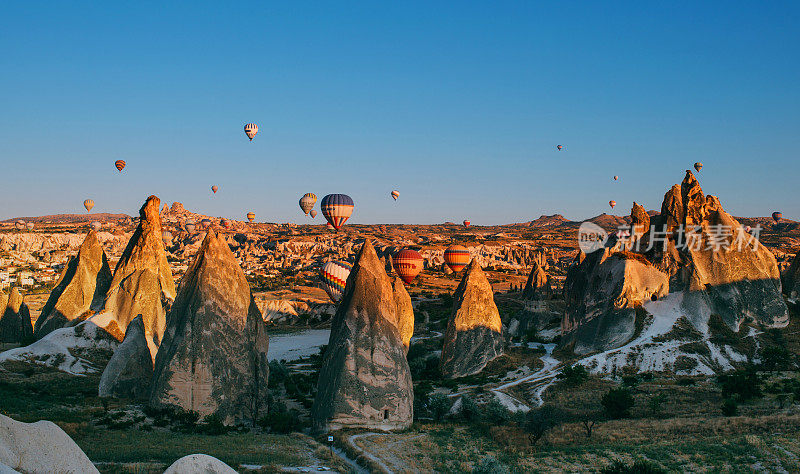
214	355
405	311
142	278
130	369
365	380
474	333
538	285
80	290
15	322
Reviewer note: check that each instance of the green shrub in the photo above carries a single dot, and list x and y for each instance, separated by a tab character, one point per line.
640	466
617	403
729	407
742	384
439	405
574	375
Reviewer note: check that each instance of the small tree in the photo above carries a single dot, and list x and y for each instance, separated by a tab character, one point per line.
539	421
729	407
574	375
655	402
439	405
618	403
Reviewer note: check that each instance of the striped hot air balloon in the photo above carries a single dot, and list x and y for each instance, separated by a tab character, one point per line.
777	216
329	226
88	204
698	166
466	223
334	278
612	204
250	130
166	236
395	194
120	164
559	147
96	226
307	202
225	223
20	224
456	257
312	213
189	225
251	216
205	223
337	208
407	263
30	225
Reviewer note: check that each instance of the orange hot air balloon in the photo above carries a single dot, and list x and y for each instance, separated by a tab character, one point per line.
250	130
698	166
251	216
120	164
312	213
88	204
407	263
616	178
214	189
466	223
612	204
395	194
456	257
559	147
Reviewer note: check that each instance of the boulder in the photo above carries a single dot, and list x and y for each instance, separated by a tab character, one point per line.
791	280
130	370
142	282
405	311
80	290
40	447
199	464
365	380
15	323
213	359
474	334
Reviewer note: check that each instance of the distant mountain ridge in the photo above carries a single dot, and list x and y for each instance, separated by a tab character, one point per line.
71	218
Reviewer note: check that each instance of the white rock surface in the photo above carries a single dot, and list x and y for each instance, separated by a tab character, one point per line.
41	447
199	464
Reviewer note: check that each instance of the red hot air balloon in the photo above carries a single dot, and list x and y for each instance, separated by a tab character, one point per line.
214	189
456	257
329	226
337	208
612	204
777	216
407	263
120	164
466	223
312	213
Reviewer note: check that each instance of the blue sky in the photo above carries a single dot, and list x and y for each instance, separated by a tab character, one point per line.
458	105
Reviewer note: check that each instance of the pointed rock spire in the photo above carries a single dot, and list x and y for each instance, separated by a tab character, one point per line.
538	285
80	290
142	278
365	380
405	311
130	370
474	334
213	359
15	322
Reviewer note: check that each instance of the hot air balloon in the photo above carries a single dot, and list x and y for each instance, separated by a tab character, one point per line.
698	166
777	216
96	226
30	225
166	236
120	164
307	202
214	189
466	223
205	223
334	278
395	194
189	225
329	226
456	257
407	263
251	216
616	178
88	204
337	208
225	223
312	213
559	147
250	130
20	224
612	204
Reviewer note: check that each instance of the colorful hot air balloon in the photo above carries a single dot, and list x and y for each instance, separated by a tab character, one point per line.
698	166
777	216
225	223
456	257
189	225
559	147
251	216
307	202
334	278
250	130
612	204
329	226
466	223
337	208
407	263
312	213
96	226
166	236
395	194
214	189
616	178
88	204
30	225
120	164
205	223
20	224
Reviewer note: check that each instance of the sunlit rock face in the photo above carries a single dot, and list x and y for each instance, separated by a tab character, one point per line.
365	380
405	311
474	334
80	289
15	321
142	282
213	359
